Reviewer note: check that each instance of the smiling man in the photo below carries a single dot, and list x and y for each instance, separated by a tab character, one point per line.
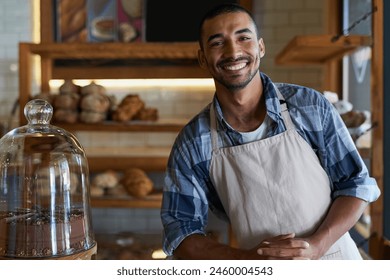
274	160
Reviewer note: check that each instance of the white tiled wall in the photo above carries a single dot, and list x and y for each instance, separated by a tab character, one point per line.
279	21
15	26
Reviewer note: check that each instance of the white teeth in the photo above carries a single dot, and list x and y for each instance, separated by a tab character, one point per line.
235	67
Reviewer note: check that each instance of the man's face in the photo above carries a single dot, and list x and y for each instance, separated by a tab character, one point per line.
231	51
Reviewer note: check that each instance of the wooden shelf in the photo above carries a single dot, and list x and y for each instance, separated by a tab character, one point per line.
147	158
319	49
162	125
147	51
117	60
153	201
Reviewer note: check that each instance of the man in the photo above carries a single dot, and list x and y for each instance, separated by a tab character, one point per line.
275	160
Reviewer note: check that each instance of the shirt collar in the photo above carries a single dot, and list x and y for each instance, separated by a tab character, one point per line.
271	101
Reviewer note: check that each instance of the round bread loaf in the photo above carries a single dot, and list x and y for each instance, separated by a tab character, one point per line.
136	182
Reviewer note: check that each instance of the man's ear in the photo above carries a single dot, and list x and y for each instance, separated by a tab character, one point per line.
261	47
202	59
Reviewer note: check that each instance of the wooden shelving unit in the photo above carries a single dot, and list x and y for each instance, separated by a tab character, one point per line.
180	61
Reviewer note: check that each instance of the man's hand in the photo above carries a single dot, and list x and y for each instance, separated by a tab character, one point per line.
284	247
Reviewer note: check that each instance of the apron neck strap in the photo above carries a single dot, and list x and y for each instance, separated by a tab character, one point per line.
284	110
213	119
213	126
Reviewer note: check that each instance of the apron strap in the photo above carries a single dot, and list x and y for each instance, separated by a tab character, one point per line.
284	110
213	127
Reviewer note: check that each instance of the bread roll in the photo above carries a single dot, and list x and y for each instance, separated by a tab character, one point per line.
92	117
68	87
68	101
107	179
128	108
137	183
93	88
95	102
147	114
65	115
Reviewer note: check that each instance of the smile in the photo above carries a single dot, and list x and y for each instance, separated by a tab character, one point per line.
235	67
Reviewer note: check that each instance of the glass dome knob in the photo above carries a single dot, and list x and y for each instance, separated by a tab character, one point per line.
38	111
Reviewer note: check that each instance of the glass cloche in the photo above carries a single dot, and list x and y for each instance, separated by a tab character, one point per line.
44	191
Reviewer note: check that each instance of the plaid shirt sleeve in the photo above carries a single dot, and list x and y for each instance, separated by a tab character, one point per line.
321	126
185	202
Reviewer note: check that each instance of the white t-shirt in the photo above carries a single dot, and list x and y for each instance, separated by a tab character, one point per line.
258	134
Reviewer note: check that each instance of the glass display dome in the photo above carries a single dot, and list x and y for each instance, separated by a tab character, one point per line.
44	191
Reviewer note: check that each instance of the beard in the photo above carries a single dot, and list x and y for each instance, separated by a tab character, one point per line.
234	86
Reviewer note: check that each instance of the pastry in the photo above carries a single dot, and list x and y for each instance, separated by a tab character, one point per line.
92	117
137	183
354	118
108	179
106	183
69	101
65	115
68	87
95	102
128	108
93	88
147	114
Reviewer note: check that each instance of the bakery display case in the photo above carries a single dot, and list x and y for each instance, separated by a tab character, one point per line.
44	191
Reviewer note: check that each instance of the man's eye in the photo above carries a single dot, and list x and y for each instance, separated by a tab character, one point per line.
215	44
245	38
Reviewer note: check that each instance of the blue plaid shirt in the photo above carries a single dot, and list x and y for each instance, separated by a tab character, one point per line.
189	193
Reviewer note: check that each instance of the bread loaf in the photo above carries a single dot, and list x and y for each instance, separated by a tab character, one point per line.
68	87
128	108
95	102
137	183
65	115
93	88
147	114
68	101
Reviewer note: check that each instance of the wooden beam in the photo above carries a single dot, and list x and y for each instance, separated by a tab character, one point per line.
47	24
332	80
377	101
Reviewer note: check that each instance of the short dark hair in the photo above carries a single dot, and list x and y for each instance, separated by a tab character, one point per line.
224	9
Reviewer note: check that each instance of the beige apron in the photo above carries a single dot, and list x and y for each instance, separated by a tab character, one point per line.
274	186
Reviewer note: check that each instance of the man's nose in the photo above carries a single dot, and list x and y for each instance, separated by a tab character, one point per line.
232	50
